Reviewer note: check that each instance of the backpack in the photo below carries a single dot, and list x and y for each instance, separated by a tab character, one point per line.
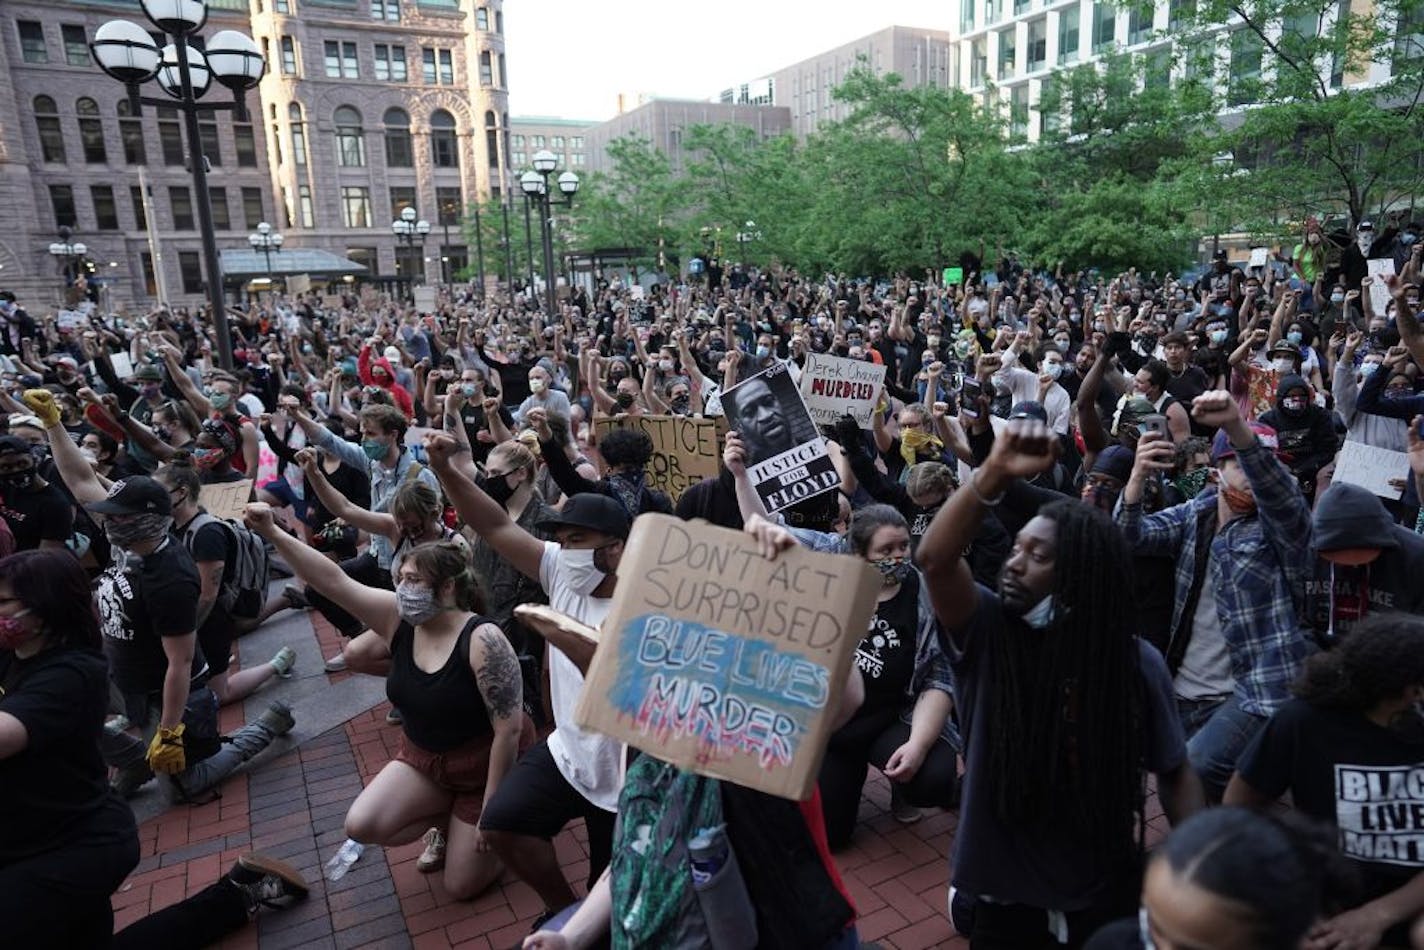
244	585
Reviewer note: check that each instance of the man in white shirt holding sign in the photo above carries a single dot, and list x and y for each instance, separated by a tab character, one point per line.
572	773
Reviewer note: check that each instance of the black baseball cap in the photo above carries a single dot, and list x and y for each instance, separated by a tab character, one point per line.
592	511
13	445
135	495
1029	409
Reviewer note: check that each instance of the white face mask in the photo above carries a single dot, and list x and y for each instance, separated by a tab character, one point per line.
1053	370
536	385
1041	614
578	570
1368	369
1283	365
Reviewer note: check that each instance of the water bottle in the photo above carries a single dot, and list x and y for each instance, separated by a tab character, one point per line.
721	891
341	862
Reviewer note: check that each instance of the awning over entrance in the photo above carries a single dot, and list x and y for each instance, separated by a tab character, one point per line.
243	264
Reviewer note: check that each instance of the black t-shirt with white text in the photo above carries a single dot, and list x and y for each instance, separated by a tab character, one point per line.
141	600
886	654
1343	768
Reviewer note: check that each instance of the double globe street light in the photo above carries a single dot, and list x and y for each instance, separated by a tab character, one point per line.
69	251
407	230
266	240
535	185
127	53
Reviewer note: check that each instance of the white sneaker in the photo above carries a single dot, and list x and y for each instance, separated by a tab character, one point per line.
336	664
283	661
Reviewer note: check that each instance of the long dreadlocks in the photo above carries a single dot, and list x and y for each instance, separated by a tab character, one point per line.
1066	734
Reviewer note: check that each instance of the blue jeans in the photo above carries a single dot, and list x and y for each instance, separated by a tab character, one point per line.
1218	731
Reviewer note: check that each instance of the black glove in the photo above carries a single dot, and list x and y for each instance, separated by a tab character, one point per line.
848	433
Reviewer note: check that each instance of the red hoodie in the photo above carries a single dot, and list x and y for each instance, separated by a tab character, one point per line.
387	382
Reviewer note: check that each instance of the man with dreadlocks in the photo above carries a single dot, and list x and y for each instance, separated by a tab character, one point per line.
1062	706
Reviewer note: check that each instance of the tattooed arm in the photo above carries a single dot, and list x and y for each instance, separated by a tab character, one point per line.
497	674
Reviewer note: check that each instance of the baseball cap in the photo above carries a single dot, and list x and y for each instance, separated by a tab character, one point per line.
1029	409
1285	348
592	511
1221	447
1220	255
148	373
13	445
135	495
1366	225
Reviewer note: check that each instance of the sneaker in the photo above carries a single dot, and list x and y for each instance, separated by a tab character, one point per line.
277	719
433	857
394	717
283	662
265	881
336	664
130	779
904	812
296	598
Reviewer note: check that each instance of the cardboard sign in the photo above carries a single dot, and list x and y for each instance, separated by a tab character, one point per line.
228	499
1258	257
70	319
123	364
1379	269
298	284
953	275
552	625
786	456
331	302
1371	468
424	299
686	449
723	662
834	386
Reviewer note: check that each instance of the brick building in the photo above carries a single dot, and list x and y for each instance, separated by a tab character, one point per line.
367	106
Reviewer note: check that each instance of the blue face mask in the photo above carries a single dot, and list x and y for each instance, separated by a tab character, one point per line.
1294	337
375	450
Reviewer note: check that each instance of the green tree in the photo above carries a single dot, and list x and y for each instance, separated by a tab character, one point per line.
635	205
493	219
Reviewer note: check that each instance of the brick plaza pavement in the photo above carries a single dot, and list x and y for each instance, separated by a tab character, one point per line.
292	803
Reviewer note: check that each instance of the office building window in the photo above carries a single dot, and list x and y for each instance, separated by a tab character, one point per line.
106	210
447	67
131	134
966	16
1037	44
482	19
449	204
518	141
486	69
356	206
1179	12
170	136
576	142
1243	84
399	151
503	83
517	158
252	207
401	198
1068	35
51	135
1104	26
1008	52
246	144
444	148
91	131
557	143
76	44
350	138
499	21
536	142
61	198
180	199
1139	24
992	11
222	216
208	136
32	41
306	211
140	216
282	6
390	63
1018	110
578	159
427	66
438	66
299	134
492	139
191	269
341	60
289	56
388	10
150	281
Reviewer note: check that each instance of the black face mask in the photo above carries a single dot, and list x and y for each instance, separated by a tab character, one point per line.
497	487
624	399
18	481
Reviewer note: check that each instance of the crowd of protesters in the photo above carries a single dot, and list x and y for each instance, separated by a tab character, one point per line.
1105	508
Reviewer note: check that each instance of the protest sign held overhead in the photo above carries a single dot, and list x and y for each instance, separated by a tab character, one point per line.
1372	468
835	386
723	662
686	449
786	456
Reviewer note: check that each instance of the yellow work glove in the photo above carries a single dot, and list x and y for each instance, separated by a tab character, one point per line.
165	752
41	403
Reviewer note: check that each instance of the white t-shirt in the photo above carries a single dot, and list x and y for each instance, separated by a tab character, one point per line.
1205	672
590	762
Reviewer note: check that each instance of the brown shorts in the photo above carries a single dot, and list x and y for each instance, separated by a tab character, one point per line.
462	771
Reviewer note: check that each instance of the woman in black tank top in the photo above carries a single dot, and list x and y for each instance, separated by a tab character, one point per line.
456	681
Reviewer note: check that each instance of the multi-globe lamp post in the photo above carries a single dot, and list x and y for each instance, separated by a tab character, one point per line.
408	230
266	240
71	252
127	53
535	185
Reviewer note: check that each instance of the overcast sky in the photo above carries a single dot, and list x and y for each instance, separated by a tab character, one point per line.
571	58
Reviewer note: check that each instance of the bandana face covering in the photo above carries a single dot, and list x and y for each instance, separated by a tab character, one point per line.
893	569
136	530
1190	484
1240	502
913	440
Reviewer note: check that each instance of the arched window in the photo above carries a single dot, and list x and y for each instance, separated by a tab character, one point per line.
444	144
492	139
51	135
350	139
399	153
299	133
131	133
91	131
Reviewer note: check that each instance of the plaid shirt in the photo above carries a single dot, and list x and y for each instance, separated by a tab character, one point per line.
1263	560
